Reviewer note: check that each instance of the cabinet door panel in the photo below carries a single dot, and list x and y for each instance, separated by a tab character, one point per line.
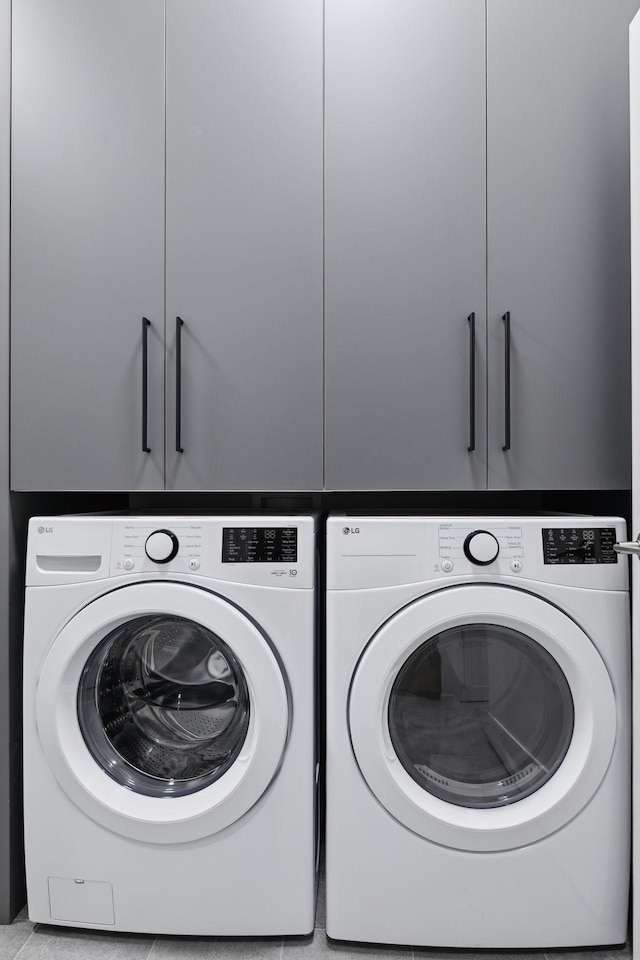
244	243
87	243
558	241
405	242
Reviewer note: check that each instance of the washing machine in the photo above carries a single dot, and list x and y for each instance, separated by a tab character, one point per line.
169	723
478	731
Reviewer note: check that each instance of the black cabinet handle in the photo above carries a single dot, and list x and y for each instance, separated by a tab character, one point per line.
507	380
472	382
179	326
145	370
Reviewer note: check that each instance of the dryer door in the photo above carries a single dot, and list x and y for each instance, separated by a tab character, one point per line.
162	711
482	717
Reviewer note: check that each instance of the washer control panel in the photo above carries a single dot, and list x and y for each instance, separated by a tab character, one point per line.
252	549
268	550
579	545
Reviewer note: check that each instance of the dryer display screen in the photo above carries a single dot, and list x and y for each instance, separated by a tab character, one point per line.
579	545
259	545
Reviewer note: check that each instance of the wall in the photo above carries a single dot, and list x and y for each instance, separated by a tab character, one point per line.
11	870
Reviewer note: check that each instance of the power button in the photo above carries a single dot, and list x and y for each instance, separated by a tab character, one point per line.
447	566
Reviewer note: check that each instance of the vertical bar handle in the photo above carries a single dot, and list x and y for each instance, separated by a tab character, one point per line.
145	378
471	319
507	380
179	326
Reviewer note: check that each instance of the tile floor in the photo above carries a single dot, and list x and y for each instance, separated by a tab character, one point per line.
24	940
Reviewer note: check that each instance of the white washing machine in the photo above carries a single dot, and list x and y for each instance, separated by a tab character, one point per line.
169	736
478	731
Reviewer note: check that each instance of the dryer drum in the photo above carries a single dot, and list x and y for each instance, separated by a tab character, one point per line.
481	715
163	705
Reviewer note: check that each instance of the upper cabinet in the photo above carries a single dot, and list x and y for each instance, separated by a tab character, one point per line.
244	245
87	248
273	245
242	341
420	235
405	244
558	242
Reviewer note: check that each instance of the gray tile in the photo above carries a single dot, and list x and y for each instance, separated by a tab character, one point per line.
438	953
320	947
607	953
321	904
382	951
222	948
14	935
303	947
72	943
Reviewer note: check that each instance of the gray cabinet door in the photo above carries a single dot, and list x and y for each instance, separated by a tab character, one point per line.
244	243
87	243
558	241
405	243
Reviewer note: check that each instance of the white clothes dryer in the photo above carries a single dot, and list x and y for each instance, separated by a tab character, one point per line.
169	723
478	731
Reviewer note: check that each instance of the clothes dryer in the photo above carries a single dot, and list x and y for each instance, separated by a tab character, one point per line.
478	731
169	744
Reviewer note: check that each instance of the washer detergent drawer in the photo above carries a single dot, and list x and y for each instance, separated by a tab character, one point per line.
81	901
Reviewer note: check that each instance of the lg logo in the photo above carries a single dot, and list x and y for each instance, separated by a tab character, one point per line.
45	529
348	530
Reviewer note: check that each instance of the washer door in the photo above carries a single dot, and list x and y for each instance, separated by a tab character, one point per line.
162	711
482	717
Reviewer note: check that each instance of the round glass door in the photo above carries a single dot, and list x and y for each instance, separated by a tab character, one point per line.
481	715
162	711
163	706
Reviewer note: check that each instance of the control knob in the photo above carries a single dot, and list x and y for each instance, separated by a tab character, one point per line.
161	546
481	547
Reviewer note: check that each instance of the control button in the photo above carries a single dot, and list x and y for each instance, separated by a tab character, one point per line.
481	547
128	564
161	546
516	566
447	566
194	563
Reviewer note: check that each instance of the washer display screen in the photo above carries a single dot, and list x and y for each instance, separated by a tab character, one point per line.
259	545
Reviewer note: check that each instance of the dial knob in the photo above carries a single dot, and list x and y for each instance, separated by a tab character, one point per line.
161	546
481	547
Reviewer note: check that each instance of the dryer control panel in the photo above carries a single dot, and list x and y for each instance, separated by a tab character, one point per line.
370	551
579	545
